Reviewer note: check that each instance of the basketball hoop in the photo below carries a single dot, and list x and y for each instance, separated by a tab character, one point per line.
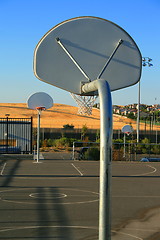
85	103
128	133
39	101
40	108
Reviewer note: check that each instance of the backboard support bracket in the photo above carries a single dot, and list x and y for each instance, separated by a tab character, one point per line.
91	93
72	58
110	58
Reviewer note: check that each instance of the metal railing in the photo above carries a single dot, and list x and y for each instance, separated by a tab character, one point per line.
15	135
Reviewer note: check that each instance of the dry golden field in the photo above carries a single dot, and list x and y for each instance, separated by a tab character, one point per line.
61	114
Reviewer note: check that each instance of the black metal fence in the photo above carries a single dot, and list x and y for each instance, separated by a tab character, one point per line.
54	133
16	135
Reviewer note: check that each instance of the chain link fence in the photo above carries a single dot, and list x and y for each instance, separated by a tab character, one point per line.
120	151
135	151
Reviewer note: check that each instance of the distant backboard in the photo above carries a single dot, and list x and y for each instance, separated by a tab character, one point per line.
40	100
127	129
75	52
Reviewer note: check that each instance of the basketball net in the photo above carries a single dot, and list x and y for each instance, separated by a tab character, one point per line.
128	133
40	109
85	103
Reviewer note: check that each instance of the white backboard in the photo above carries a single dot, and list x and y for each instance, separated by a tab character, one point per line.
40	99
90	41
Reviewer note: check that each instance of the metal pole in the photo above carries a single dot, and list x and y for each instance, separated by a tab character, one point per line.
31	135
7	136
105	161
34	153
124	154
38	131
138	112
73	157
105	155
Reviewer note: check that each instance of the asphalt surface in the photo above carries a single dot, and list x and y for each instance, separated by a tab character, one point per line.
57	198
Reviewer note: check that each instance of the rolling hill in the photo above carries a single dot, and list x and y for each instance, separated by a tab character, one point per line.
61	114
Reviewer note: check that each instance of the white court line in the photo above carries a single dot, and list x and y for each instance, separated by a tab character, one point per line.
65	203
133	196
3	169
77	169
40	156
142	229
155	169
127	234
62	157
71	226
143	174
36	227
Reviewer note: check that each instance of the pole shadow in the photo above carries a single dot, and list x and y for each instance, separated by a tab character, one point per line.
51	212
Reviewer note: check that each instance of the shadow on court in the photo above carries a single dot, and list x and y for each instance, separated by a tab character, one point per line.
45	219
12	171
50	214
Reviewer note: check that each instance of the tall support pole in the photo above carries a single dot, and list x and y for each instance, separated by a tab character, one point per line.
105	155
38	133
124	153
138	111
7	136
105	161
73	154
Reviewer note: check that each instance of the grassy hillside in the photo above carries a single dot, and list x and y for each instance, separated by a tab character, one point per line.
61	114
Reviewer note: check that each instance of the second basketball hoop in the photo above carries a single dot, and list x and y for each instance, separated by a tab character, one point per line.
39	101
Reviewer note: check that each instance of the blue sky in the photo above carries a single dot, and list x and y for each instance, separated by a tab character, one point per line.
24	22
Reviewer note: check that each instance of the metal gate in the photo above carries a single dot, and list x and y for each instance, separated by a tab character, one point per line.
15	135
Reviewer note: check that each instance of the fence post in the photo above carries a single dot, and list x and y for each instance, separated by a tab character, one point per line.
31	137
73	155
7	136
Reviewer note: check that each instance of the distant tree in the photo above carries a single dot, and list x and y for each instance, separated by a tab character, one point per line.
97	135
68	126
92	154
145	141
84	131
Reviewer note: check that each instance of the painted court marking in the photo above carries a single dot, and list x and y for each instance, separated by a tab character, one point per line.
127	234
3	169
54	195
132	196
35	227
77	169
40	156
143	174
73	227
71	193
